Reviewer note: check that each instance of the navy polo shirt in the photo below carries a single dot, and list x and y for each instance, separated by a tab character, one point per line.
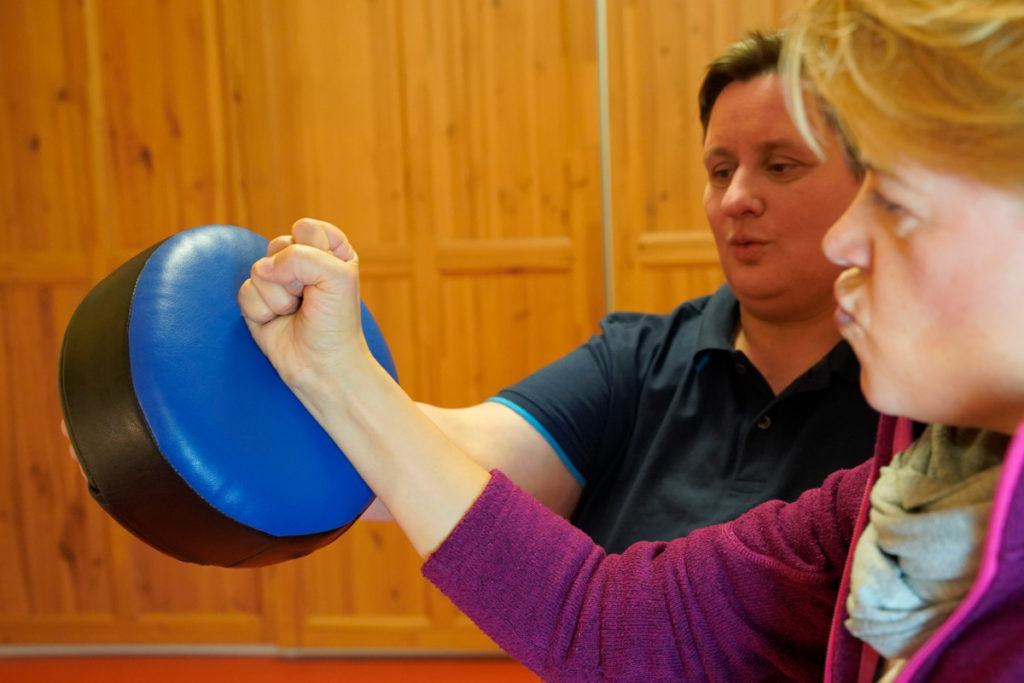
669	428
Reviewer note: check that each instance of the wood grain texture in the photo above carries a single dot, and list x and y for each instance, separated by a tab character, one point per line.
456	141
658	53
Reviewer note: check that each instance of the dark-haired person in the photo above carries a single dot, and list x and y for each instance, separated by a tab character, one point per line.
667	423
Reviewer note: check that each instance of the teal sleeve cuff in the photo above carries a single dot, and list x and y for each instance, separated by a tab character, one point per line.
547	437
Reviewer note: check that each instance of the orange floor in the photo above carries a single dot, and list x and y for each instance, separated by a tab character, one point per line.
161	669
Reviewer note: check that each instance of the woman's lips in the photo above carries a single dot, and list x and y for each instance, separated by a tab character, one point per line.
846	287
746	250
843	317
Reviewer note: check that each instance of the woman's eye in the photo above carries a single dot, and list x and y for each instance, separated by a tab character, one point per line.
720	175
886	205
781	168
901	220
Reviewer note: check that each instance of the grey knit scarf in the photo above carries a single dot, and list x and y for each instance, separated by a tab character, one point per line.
920	551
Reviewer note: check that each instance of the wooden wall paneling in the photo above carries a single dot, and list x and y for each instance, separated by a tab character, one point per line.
446	191
658	51
58	570
161	166
476	227
520	271
365	592
49	507
55	574
503	140
497	327
14	591
162	158
316	99
313	92
454	138
45	196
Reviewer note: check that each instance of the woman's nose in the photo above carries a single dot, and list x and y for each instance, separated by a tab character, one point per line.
846	243
742	197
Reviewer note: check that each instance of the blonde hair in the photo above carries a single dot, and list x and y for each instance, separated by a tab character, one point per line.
937	82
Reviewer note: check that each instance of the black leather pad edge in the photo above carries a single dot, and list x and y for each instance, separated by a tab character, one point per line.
127	474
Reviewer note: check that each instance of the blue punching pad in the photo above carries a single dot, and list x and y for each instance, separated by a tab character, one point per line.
184	430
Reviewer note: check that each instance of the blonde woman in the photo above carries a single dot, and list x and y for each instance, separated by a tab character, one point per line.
910	567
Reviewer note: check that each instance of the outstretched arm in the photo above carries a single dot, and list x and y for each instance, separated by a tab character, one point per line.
750	600
301	305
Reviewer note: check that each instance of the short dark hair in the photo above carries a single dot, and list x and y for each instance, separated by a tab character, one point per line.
754	56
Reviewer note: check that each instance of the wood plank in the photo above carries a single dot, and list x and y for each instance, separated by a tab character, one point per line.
45	191
163	165
313	106
506	255
15	573
45	267
60	534
676	249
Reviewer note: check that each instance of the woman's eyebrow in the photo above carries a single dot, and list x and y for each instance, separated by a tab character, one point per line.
786	145
719	152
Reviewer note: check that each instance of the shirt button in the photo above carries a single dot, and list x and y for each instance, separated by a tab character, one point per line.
741	368
764	423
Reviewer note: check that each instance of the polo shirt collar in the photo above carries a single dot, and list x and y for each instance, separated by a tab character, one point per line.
718	327
718	322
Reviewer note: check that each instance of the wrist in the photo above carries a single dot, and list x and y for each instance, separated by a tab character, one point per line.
338	389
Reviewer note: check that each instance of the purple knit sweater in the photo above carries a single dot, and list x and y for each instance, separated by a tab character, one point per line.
751	600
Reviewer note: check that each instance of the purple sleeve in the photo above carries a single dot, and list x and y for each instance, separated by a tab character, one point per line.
750	600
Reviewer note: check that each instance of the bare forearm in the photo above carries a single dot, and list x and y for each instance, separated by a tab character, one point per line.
425	481
496	437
